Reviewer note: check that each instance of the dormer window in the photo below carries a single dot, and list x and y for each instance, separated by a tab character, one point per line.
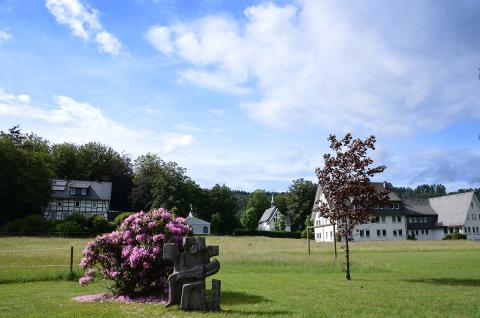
72	191
84	191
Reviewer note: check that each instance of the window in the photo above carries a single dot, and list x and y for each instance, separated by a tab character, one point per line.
471	204
426	231
445	230
367	233
205	230
416	232
384	219
451	230
361	233
384	232
415	220
94	204
423	232
394	232
399	219
424	219
378	232
84	191
468	229
59	203
72	191
400	232
394	219
77	203
397	205
392	205
319	235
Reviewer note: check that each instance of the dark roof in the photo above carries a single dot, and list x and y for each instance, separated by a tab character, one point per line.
95	190
379	186
418	207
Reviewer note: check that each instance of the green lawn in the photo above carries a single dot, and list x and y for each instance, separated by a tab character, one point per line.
268	277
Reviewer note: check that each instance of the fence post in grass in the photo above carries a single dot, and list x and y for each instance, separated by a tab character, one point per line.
308	239
71	261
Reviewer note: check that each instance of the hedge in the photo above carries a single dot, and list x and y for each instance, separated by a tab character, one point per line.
245	232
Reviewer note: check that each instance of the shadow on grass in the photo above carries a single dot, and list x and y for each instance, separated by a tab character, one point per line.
471	282
49	278
266	313
236	298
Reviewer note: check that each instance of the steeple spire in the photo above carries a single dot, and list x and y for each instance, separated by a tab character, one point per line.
273	201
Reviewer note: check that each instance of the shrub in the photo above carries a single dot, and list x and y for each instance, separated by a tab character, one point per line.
244	232
122	216
78	218
131	257
311	234
30	225
70	228
411	237
98	224
455	236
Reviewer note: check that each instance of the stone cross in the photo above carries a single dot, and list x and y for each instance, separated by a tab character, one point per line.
186	285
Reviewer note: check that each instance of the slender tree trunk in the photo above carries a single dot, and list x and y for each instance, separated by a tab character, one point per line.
347	256
334	241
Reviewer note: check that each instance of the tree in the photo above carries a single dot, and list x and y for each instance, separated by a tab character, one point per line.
280	222
345	182
146	168
300	201
281	202
25	174
224	206
66	161
259	201
249	219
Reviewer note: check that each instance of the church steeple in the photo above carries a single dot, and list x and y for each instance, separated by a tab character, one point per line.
273	201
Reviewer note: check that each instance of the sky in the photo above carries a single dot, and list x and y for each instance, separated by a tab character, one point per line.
246	93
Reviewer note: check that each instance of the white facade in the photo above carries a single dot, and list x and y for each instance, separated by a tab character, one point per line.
472	223
198	226
59	209
269	223
388	228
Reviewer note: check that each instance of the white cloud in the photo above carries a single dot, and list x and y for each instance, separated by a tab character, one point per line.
108	43
4	36
84	23
312	63
72	121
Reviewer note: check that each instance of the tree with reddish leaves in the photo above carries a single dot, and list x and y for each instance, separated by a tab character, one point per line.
345	182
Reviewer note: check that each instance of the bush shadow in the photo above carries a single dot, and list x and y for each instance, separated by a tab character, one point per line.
237	298
470	282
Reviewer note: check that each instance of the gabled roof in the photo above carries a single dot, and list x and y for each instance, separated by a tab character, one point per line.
96	190
191	220
452	209
269	213
418	207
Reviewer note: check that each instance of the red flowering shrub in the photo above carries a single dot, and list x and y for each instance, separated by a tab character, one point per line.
131	257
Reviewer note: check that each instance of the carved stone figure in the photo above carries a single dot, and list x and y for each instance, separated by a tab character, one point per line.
191	267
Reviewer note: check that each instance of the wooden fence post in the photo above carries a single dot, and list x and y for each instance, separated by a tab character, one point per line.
71	261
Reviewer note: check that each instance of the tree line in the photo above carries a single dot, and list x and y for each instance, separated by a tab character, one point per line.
29	163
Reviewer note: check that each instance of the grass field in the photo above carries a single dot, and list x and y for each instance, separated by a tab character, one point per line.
266	277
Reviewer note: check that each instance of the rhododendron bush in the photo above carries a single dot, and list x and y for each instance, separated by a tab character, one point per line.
131	257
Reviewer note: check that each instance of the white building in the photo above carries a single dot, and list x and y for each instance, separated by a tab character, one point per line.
390	223
73	196
424	219
270	217
199	226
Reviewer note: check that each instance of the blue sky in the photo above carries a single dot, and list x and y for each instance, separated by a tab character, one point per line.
246	92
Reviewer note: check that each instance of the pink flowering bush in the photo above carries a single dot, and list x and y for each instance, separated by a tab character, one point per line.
131	257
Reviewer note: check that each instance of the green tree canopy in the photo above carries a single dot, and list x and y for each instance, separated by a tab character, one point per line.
223	206
259	201
249	219
300	202
25	176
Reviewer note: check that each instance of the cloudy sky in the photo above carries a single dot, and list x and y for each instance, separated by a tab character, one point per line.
246	92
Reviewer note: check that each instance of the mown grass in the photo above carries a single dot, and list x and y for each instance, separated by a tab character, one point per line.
267	277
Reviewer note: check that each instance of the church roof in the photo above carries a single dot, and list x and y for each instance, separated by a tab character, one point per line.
191	220
269	213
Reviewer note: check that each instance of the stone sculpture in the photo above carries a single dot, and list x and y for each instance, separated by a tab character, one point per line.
191	267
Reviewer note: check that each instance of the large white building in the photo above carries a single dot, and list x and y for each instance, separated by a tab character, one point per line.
428	219
73	196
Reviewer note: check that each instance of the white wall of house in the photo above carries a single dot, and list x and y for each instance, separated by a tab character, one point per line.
472	223
388	228
59	209
200	228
